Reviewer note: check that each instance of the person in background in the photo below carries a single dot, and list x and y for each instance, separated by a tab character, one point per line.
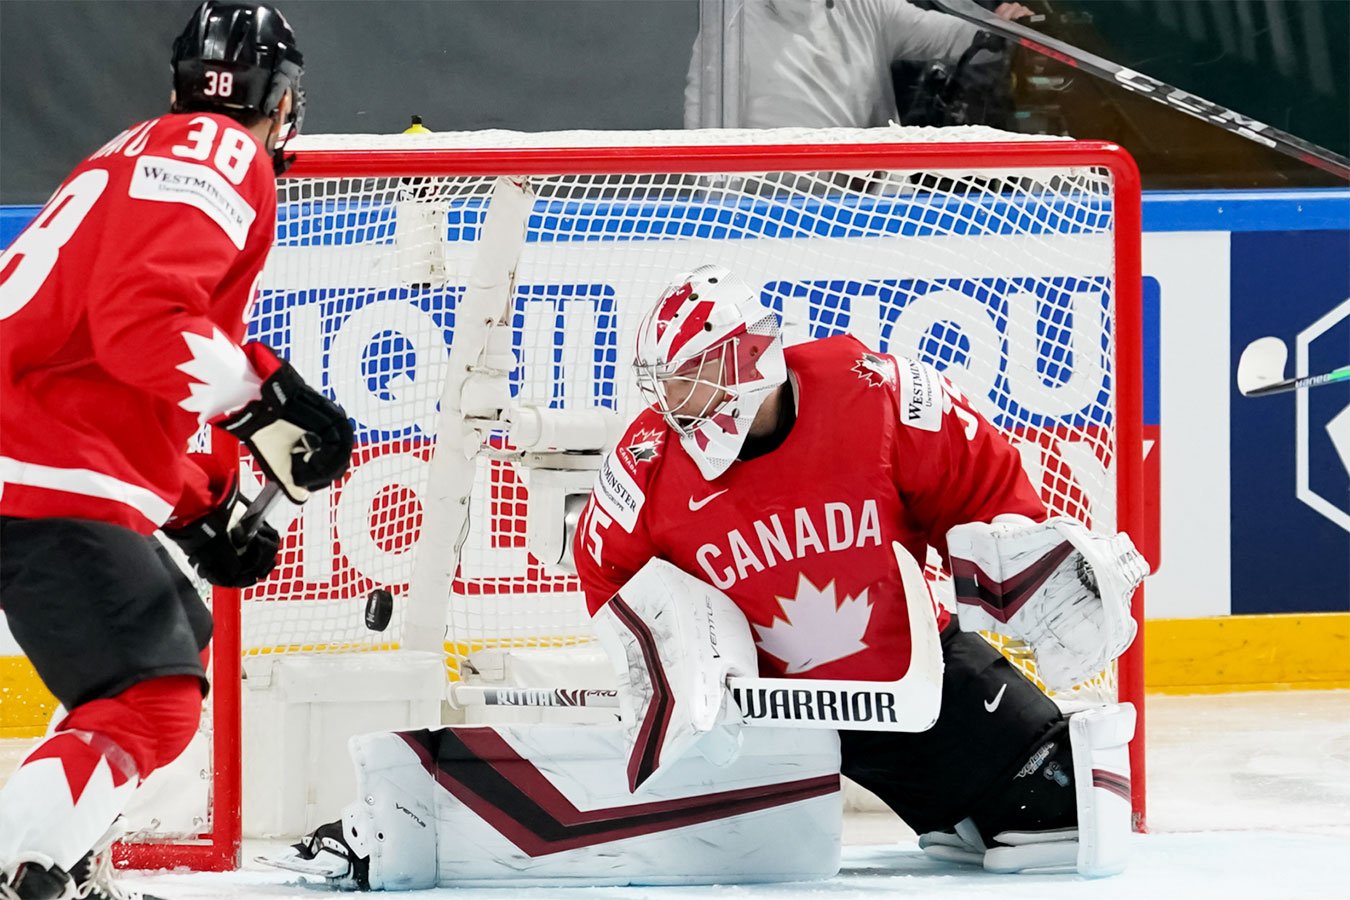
827	63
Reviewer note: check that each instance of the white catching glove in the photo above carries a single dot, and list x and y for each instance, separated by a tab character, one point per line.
1055	585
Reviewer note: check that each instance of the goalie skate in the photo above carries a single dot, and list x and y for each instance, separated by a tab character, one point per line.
326	854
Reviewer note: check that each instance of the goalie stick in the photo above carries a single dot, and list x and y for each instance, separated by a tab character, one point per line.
1261	370
810	703
910	703
1155	90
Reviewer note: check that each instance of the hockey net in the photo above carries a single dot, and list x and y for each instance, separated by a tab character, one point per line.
1009	262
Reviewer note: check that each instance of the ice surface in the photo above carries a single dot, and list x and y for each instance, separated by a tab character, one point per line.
1249	799
1256	865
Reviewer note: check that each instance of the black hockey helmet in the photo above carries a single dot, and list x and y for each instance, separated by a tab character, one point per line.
238	59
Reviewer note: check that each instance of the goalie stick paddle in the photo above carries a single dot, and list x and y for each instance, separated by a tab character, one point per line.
1152	88
911	703
1261	370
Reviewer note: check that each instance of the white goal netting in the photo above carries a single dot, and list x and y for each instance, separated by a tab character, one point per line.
995	262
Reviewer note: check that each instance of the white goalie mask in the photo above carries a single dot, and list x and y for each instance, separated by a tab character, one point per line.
708	355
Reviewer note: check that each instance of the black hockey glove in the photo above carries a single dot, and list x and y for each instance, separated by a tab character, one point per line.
221	557
302	440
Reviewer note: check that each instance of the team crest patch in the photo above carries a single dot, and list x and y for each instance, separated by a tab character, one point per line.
644	447
875	370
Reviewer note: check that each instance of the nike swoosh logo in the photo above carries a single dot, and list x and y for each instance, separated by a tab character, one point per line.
991	705
696	505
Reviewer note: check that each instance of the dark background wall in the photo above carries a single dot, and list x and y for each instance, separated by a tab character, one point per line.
75	73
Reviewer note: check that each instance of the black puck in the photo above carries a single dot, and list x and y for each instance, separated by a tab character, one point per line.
379	609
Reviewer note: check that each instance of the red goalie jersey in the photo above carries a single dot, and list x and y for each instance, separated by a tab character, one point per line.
883	449
121	311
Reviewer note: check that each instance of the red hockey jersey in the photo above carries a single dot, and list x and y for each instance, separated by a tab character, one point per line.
883	449
122	306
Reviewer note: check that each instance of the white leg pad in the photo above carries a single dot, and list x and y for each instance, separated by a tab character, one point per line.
393	820
1099	846
1100	740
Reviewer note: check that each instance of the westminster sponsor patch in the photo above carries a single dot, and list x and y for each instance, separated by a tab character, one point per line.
618	493
919	395
165	180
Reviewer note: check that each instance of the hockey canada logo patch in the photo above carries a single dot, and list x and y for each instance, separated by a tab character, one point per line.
875	370
815	629
645	447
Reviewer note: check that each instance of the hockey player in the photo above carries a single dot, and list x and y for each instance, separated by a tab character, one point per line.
782	478
122	309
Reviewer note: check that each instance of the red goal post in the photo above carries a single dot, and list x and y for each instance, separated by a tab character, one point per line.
416	276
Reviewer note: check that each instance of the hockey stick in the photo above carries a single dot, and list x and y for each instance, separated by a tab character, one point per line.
461	695
910	703
1155	90
253	517
876	706
1261	370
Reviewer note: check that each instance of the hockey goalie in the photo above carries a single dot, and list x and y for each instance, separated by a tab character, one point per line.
763	519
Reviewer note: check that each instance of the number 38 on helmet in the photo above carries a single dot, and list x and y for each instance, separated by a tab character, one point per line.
240	59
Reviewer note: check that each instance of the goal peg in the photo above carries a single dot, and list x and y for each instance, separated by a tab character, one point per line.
379	609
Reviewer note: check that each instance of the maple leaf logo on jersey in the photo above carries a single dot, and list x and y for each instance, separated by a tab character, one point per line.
814	629
874	370
644	447
223	379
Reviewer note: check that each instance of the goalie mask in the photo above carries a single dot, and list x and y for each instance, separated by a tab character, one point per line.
708	355
240	59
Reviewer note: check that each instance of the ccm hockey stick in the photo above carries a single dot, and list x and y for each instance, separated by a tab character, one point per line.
1155	90
1261	370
